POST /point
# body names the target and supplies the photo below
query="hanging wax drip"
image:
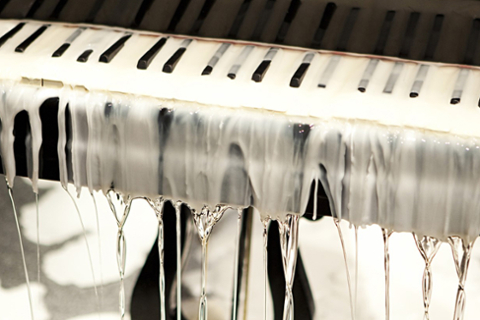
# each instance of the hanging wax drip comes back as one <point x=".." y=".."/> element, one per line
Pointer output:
<point x="236" y="265"/>
<point x="38" y="235"/>
<point x="288" y="230"/>
<point x="157" y="206"/>
<point x="356" y="272"/>
<point x="86" y="245"/>
<point x="99" y="244"/>
<point x="22" y="251"/>
<point x="428" y="247"/>
<point x="349" y="281"/>
<point x="265" y="223"/>
<point x="204" y="221"/>
<point x="120" y="207"/>
<point x="386" y="256"/>
<point x="461" y="250"/>
<point x="178" y="225"/>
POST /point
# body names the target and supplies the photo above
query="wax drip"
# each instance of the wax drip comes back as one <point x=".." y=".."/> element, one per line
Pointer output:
<point x="386" y="255"/>
<point x="236" y="266"/>
<point x="178" y="213"/>
<point x="461" y="250"/>
<point x="99" y="243"/>
<point x="428" y="247"/>
<point x="288" y="230"/>
<point x="38" y="235"/>
<point x="356" y="272"/>
<point x="124" y="204"/>
<point x="315" y="200"/>
<point x="265" y="223"/>
<point x="204" y="221"/>
<point x="22" y="251"/>
<point x="157" y="206"/>
<point x="86" y="244"/>
<point x="336" y="221"/>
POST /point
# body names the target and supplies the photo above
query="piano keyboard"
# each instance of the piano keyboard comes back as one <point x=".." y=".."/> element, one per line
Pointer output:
<point x="317" y="84"/>
<point x="251" y="103"/>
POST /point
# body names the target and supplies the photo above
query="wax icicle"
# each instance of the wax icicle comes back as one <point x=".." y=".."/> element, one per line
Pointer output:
<point x="120" y="207"/>
<point x="38" y="235"/>
<point x="27" y="280"/>
<point x="428" y="247"/>
<point x="236" y="266"/>
<point x="461" y="250"/>
<point x="265" y="223"/>
<point x="99" y="244"/>
<point x="288" y="230"/>
<point x="86" y="245"/>
<point x="178" y="222"/>
<point x="386" y="261"/>
<point x="158" y="206"/>
<point x="204" y="221"/>
<point x="349" y="281"/>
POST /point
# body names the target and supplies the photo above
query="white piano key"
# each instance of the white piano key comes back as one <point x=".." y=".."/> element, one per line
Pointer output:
<point x="419" y="79"/>
<point x="459" y="85"/>
<point x="392" y="79"/>
<point x="367" y="75"/>
<point x="329" y="70"/>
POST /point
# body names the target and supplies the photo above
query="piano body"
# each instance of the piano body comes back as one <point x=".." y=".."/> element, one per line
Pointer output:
<point x="363" y="110"/>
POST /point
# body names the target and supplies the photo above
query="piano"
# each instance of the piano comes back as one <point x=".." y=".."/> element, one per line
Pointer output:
<point x="363" y="110"/>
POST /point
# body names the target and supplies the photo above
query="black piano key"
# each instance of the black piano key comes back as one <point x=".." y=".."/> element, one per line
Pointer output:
<point x="94" y="11"/>
<point x="287" y="21"/>
<point x="207" y="71"/>
<point x="472" y="42"/>
<point x="261" y="71"/>
<point x="237" y="23"/>
<point x="24" y="45"/>
<point x="409" y="34"/>
<point x="61" y="50"/>
<point x="419" y="80"/>
<point x="324" y="22"/>
<point x="84" y="56"/>
<point x="144" y="7"/>
<point x="297" y="78"/>
<point x="384" y="32"/>
<point x="459" y="85"/>
<point x="11" y="33"/>
<point x="262" y="21"/>
<point x="33" y="9"/>
<point x="170" y="65"/>
<point x="177" y="16"/>
<point x="239" y="61"/>
<point x="329" y="71"/>
<point x="434" y="37"/>
<point x="111" y="52"/>
<point x="3" y="4"/>
<point x="148" y="57"/>
<point x="347" y="29"/>
<point x="58" y="9"/>
<point x="367" y="75"/>
<point x="207" y="6"/>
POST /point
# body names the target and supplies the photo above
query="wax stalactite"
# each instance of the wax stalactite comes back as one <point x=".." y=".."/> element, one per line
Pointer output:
<point x="236" y="265"/>
<point x="178" y="226"/>
<point x="428" y="247"/>
<point x="99" y="244"/>
<point x="288" y="230"/>
<point x="204" y="221"/>
<point x="336" y="221"/>
<point x="461" y="250"/>
<point x="87" y="246"/>
<point x="157" y="206"/>
<point x="265" y="223"/>
<point x="386" y="264"/>
<point x="37" y="209"/>
<point x="120" y="207"/>
<point x="22" y="251"/>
